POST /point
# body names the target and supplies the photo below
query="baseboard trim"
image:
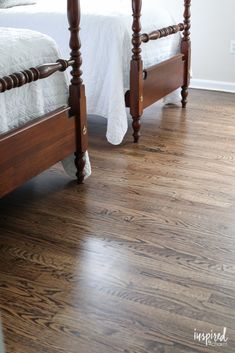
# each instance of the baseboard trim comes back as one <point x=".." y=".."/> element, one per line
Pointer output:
<point x="213" y="85"/>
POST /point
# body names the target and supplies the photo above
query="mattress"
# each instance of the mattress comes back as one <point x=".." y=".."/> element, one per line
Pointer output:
<point x="20" y="105"/>
<point x="106" y="48"/>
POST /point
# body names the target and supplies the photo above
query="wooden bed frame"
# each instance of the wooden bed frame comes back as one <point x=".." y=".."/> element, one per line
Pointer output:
<point x="33" y="148"/>
<point x="149" y="85"/>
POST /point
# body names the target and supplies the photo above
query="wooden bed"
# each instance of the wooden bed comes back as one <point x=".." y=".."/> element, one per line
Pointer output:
<point x="150" y="85"/>
<point x="33" y="148"/>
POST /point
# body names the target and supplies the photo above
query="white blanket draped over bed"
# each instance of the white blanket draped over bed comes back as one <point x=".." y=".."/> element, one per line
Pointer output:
<point x="22" y="49"/>
<point x="106" y="48"/>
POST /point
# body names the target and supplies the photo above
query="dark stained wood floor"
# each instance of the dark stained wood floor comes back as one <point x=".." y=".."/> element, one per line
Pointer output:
<point x="138" y="257"/>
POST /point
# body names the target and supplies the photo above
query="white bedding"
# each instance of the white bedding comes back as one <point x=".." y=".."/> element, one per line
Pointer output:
<point x="23" y="104"/>
<point x="37" y="98"/>
<point x="106" y="48"/>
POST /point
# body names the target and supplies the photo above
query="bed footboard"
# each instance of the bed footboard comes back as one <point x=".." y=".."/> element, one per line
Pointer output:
<point x="160" y="80"/>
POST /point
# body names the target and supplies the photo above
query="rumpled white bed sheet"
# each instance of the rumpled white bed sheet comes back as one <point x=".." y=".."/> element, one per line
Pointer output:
<point x="23" y="104"/>
<point x="106" y="48"/>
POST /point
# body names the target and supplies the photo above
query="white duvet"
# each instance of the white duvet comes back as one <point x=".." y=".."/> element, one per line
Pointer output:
<point x="106" y="48"/>
<point x="18" y="106"/>
<point x="37" y="98"/>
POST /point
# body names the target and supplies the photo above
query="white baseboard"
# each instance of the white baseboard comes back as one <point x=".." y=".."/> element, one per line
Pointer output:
<point x="213" y="85"/>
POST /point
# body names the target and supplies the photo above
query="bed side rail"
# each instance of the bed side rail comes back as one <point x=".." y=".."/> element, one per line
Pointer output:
<point x="22" y="78"/>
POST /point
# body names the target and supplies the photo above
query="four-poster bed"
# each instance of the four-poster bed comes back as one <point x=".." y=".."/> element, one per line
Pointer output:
<point x="34" y="147"/>
<point x="149" y="85"/>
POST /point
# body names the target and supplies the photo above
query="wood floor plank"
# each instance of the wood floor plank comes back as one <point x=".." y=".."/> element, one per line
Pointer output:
<point x="138" y="257"/>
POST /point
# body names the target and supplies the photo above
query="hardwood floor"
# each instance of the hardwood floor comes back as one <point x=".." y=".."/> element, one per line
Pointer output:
<point x="138" y="257"/>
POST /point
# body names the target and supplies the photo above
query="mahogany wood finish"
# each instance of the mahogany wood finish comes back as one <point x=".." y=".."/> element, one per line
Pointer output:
<point x="27" y="151"/>
<point x="22" y="78"/>
<point x="162" y="79"/>
<point x="77" y="98"/>
<point x="36" y="142"/>
<point x="146" y="89"/>
<point x="163" y="32"/>
<point x="136" y="73"/>
<point x="186" y="50"/>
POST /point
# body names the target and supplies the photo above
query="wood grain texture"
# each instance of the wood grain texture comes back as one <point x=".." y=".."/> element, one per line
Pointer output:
<point x="162" y="79"/>
<point x="141" y="254"/>
<point x="48" y="140"/>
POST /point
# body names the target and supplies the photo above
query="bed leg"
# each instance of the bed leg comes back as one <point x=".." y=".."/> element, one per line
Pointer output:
<point x="184" y="94"/>
<point x="80" y="165"/>
<point x="186" y="51"/>
<point x="136" y="71"/>
<point x="77" y="97"/>
<point x="136" y="128"/>
<point x="78" y="108"/>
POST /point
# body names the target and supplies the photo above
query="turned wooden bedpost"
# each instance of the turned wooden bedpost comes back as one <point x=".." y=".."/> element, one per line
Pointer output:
<point x="136" y="74"/>
<point x="77" y="98"/>
<point x="186" y="50"/>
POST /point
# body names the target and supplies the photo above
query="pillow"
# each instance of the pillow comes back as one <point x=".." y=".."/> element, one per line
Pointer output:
<point x="4" y="4"/>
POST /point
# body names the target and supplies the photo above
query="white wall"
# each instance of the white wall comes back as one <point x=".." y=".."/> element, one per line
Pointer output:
<point x="213" y="26"/>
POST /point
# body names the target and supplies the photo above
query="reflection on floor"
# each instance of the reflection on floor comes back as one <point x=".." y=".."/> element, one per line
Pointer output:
<point x="141" y="255"/>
